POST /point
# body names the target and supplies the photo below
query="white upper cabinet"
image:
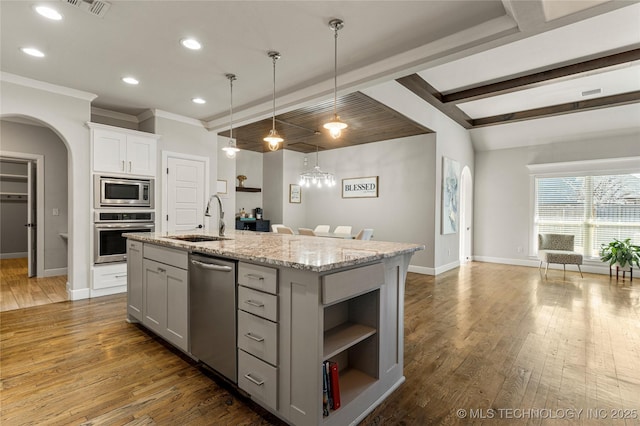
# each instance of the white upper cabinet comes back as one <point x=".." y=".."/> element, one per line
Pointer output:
<point x="123" y="151"/>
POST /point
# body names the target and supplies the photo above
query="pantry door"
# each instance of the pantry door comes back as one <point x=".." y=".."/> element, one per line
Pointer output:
<point x="186" y="192"/>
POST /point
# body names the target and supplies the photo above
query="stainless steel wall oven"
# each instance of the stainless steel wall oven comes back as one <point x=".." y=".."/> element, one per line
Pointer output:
<point x="109" y="244"/>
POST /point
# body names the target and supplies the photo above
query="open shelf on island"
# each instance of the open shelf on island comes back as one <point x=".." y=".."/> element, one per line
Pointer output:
<point x="9" y="176"/>
<point x="343" y="336"/>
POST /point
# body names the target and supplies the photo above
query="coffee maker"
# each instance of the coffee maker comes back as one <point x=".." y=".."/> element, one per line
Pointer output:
<point x="258" y="212"/>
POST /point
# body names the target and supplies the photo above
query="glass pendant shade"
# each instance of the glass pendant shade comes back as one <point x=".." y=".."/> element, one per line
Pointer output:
<point x="231" y="149"/>
<point x="335" y="127"/>
<point x="274" y="140"/>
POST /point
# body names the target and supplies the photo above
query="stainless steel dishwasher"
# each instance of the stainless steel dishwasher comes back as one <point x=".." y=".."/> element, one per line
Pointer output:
<point x="212" y="313"/>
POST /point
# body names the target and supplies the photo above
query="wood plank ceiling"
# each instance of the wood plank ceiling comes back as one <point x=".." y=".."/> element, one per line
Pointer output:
<point x="371" y="121"/>
<point x="301" y="129"/>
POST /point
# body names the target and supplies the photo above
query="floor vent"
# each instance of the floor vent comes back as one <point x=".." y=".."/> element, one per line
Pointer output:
<point x="94" y="7"/>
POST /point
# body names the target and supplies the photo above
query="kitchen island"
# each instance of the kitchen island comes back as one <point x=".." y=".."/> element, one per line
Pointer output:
<point x="302" y="302"/>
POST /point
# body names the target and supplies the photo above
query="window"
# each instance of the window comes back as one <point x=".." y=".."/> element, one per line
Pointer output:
<point x="596" y="209"/>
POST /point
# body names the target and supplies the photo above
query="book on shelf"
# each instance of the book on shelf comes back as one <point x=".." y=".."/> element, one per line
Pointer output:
<point x="334" y="385"/>
<point x="325" y="391"/>
<point x="330" y="387"/>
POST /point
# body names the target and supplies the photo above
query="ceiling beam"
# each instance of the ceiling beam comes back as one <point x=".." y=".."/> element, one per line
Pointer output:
<point x="540" y="78"/>
<point x="428" y="93"/>
<point x="571" y="107"/>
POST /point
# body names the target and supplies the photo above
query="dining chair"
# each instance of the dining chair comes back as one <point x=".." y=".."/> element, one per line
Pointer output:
<point x="274" y="227"/>
<point x="306" y="231"/>
<point x="284" y="230"/>
<point x="365" y="234"/>
<point x="321" y="228"/>
<point x="342" y="230"/>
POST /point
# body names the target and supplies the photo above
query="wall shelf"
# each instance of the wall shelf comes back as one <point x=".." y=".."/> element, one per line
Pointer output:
<point x="246" y="189"/>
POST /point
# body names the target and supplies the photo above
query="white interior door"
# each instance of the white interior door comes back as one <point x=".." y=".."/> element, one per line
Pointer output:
<point x="31" y="219"/>
<point x="185" y="194"/>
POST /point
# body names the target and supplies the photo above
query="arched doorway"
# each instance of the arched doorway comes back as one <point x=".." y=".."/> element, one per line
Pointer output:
<point x="466" y="214"/>
<point x="38" y="154"/>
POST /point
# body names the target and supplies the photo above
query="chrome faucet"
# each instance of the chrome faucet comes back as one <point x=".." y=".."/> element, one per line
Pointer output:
<point x="207" y="212"/>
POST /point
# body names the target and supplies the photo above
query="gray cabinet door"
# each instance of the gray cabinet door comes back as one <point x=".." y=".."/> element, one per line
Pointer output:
<point x="134" y="280"/>
<point x="177" y="307"/>
<point x="155" y="296"/>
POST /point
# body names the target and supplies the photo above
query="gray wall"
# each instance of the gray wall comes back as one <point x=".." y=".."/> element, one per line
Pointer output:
<point x="18" y="137"/>
<point x="248" y="163"/>
<point x="503" y="191"/>
<point x="273" y="182"/>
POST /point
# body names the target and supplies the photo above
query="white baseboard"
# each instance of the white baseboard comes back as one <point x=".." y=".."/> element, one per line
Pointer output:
<point x="13" y="255"/>
<point x="108" y="291"/>
<point x="591" y="268"/>
<point x="447" y="267"/>
<point x="78" y="294"/>
<point x="54" y="272"/>
<point x="421" y="270"/>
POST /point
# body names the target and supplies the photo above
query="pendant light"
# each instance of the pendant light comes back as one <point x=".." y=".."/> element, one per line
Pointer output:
<point x="336" y="125"/>
<point x="274" y="138"/>
<point x="231" y="149"/>
<point x="316" y="176"/>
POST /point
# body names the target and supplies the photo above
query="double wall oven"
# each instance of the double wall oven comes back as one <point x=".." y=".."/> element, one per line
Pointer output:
<point x="122" y="205"/>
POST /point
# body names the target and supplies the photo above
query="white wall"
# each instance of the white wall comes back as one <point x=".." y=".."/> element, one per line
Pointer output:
<point x="227" y="171"/>
<point x="452" y="141"/>
<point x="404" y="208"/>
<point x="187" y="137"/>
<point x="503" y="192"/>
<point x="65" y="111"/>
<point x="249" y="164"/>
<point x="273" y="182"/>
<point x="18" y="137"/>
<point x="293" y="214"/>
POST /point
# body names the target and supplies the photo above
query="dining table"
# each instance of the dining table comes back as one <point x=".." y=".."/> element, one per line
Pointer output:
<point x="335" y="235"/>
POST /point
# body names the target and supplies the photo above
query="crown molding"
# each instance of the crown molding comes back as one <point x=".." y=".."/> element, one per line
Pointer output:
<point x="47" y="87"/>
<point x="114" y="114"/>
<point x="171" y="116"/>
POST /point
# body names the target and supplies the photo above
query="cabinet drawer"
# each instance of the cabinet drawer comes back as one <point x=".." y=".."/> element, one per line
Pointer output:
<point x="258" y="336"/>
<point x="177" y="258"/>
<point x="258" y="303"/>
<point x="343" y="285"/>
<point x="258" y="277"/>
<point x="110" y="276"/>
<point x="258" y="379"/>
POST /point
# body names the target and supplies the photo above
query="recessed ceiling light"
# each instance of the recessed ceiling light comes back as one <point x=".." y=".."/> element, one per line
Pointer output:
<point x="130" y="80"/>
<point x="32" y="52"/>
<point x="48" y="12"/>
<point x="198" y="101"/>
<point x="191" y="43"/>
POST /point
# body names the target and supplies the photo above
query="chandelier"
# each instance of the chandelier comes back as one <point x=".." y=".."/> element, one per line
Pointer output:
<point x="335" y="126"/>
<point x="231" y="149"/>
<point x="316" y="176"/>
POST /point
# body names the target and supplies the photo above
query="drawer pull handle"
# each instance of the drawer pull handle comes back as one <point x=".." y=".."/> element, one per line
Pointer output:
<point x="254" y="303"/>
<point x="121" y="276"/>
<point x="161" y="270"/>
<point x="255" y="277"/>
<point x="251" y="379"/>
<point x="256" y="338"/>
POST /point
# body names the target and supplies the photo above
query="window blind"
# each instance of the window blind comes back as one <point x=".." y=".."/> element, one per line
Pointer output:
<point x="595" y="209"/>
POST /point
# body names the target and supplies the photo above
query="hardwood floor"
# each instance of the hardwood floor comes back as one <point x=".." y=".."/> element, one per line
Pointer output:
<point x="17" y="291"/>
<point x="480" y="338"/>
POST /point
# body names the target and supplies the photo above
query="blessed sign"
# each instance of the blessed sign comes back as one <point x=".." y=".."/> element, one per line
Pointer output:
<point x="365" y="187"/>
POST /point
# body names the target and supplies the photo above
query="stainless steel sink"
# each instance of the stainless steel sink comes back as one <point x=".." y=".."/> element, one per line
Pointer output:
<point x="196" y="238"/>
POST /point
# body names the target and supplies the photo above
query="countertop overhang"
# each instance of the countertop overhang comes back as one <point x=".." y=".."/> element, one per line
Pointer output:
<point x="316" y="254"/>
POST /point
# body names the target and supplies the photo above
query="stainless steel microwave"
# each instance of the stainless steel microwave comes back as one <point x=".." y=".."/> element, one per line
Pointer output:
<point x="121" y="192"/>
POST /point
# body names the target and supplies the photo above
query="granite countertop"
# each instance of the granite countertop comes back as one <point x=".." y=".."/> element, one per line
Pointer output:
<point x="303" y="252"/>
